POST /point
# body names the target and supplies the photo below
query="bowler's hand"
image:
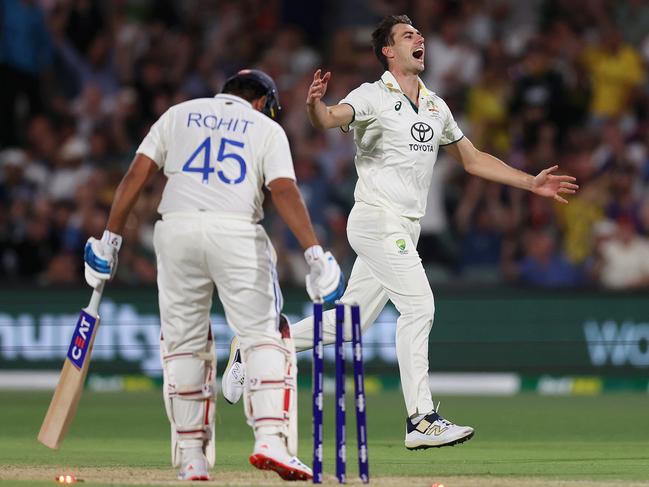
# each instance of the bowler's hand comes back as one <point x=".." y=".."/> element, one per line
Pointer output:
<point x="318" y="87"/>
<point x="551" y="186"/>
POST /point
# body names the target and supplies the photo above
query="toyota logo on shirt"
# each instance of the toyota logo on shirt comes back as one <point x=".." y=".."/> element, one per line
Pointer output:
<point x="421" y="132"/>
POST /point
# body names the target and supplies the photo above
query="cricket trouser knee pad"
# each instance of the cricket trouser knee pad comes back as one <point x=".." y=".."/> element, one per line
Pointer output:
<point x="270" y="391"/>
<point x="190" y="400"/>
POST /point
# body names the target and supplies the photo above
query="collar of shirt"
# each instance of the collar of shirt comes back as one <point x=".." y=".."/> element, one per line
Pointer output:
<point x="425" y="96"/>
<point x="393" y="85"/>
<point x="235" y="98"/>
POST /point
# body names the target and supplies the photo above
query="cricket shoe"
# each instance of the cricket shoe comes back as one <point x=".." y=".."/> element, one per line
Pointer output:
<point x="194" y="467"/>
<point x="433" y="431"/>
<point x="234" y="374"/>
<point x="270" y="454"/>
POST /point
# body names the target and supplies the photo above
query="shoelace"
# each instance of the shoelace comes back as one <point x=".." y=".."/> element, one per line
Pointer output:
<point x="445" y="422"/>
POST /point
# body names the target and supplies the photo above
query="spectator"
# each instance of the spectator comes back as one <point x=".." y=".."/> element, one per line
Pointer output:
<point x="97" y="68"/>
<point x="482" y="220"/>
<point x="538" y="96"/>
<point x="585" y="209"/>
<point x="15" y="184"/>
<point x="452" y="64"/>
<point x="616" y="70"/>
<point x="85" y="21"/>
<point x="42" y="140"/>
<point x="32" y="248"/>
<point x="487" y="111"/>
<point x="624" y="258"/>
<point x="623" y="202"/>
<point x="542" y="265"/>
<point x="70" y="172"/>
<point x="25" y="55"/>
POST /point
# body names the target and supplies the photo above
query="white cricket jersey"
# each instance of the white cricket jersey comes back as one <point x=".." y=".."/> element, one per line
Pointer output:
<point x="217" y="153"/>
<point x="397" y="145"/>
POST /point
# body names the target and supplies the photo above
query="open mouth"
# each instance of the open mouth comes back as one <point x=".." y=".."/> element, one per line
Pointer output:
<point x="418" y="53"/>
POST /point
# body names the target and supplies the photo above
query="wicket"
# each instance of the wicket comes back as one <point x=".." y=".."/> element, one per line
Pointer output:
<point x="359" y="389"/>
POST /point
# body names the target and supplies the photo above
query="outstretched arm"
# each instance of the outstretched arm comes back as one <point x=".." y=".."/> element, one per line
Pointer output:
<point x="489" y="167"/>
<point x="320" y="115"/>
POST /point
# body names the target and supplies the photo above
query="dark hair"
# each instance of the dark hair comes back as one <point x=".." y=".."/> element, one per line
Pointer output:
<point x="382" y="35"/>
<point x="247" y="89"/>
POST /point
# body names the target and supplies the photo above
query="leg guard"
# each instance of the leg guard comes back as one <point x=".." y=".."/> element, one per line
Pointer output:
<point x="270" y="396"/>
<point x="190" y="400"/>
<point x="290" y="394"/>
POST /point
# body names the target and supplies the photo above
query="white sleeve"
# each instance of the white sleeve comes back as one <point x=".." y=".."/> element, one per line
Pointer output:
<point x="277" y="160"/>
<point x="451" y="132"/>
<point x="363" y="101"/>
<point x="154" y="144"/>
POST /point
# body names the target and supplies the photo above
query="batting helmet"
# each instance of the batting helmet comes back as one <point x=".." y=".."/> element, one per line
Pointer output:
<point x="271" y="108"/>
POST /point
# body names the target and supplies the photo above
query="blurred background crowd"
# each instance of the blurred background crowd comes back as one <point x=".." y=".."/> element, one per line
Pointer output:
<point x="535" y="82"/>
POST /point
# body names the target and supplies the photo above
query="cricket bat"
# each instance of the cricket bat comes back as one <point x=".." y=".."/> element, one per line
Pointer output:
<point x="75" y="368"/>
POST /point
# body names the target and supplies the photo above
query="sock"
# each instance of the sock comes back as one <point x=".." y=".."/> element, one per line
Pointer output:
<point x="415" y="418"/>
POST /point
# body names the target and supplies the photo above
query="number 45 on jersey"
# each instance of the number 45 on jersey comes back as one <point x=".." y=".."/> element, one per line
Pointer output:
<point x="206" y="169"/>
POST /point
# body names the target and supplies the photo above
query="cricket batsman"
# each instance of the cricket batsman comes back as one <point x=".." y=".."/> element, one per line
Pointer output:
<point x="217" y="153"/>
<point x="399" y="126"/>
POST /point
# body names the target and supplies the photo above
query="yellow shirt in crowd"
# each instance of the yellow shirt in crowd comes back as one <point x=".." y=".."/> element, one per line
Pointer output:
<point x="613" y="75"/>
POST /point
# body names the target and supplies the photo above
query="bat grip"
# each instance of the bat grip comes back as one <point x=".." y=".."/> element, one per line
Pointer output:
<point x="93" y="305"/>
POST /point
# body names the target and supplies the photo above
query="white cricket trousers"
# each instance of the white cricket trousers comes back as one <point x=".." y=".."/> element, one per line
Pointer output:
<point x="387" y="267"/>
<point x="195" y="251"/>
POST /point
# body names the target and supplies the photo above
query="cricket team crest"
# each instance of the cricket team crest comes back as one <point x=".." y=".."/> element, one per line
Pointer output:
<point x="401" y="244"/>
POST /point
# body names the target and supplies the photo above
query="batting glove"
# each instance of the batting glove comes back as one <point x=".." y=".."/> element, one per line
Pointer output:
<point x="100" y="258"/>
<point x="325" y="279"/>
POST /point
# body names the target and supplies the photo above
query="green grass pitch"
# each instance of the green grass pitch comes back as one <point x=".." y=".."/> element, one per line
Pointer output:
<point x="598" y="438"/>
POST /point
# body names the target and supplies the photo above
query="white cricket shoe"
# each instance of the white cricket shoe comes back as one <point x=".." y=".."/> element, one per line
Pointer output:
<point x="193" y="465"/>
<point x="234" y="374"/>
<point x="270" y="454"/>
<point x="433" y="431"/>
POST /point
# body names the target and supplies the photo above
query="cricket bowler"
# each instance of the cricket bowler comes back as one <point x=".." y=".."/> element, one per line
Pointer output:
<point x="398" y="126"/>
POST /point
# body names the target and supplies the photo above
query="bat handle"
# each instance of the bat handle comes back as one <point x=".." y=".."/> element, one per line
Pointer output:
<point x="93" y="305"/>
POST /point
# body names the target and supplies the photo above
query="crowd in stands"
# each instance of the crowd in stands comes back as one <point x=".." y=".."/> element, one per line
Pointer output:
<point x="536" y="83"/>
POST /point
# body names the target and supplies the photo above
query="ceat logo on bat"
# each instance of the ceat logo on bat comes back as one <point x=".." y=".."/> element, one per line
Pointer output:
<point x="81" y="339"/>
